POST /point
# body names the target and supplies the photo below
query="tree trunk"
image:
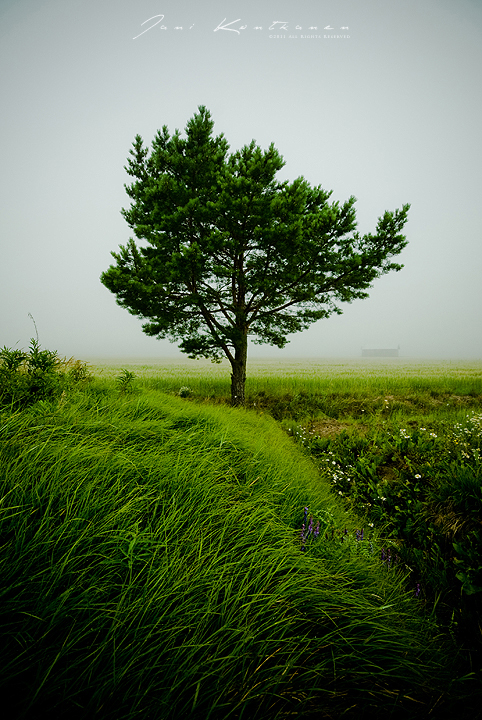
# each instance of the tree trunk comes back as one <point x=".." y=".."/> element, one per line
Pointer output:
<point x="238" y="375"/>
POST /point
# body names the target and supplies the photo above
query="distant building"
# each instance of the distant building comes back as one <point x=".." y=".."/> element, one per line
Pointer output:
<point x="382" y="352"/>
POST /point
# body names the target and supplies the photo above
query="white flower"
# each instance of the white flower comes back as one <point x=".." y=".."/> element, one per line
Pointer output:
<point x="418" y="476"/>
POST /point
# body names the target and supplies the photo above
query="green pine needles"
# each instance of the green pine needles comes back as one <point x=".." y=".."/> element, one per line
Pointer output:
<point x="230" y="252"/>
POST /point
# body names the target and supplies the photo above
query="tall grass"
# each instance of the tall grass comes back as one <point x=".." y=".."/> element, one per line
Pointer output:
<point x="152" y="567"/>
<point x="299" y="388"/>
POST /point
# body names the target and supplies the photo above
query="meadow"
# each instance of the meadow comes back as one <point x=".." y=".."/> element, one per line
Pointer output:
<point x="316" y="554"/>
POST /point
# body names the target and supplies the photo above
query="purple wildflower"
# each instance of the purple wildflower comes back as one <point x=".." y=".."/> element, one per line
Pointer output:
<point x="303" y="537"/>
<point x="417" y="590"/>
<point x="305" y="515"/>
<point x="310" y="526"/>
<point x="317" y="529"/>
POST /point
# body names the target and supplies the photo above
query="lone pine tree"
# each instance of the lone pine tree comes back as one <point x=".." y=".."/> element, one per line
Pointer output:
<point x="230" y="252"/>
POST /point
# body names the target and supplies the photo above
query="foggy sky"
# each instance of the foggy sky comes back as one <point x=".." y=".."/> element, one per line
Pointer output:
<point x="390" y="114"/>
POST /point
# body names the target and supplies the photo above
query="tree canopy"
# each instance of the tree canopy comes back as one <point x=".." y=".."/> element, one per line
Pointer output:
<point x="230" y="252"/>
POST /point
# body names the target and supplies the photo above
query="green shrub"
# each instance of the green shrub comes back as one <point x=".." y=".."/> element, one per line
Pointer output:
<point x="37" y="375"/>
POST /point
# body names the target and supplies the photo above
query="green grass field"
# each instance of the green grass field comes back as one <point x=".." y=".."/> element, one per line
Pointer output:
<point x="315" y="555"/>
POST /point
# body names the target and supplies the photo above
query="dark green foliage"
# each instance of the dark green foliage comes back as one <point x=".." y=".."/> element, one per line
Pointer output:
<point x="423" y="485"/>
<point x="231" y="252"/>
<point x="28" y="377"/>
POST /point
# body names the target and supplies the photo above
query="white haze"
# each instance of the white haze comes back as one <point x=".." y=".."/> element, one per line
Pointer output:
<point x="390" y="114"/>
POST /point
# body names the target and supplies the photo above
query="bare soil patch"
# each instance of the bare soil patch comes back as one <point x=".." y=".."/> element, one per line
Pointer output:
<point x="329" y="428"/>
